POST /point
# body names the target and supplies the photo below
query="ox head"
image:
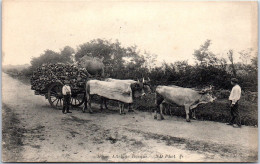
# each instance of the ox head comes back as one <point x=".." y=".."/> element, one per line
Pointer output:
<point x="140" y="88"/>
<point x="207" y="95"/>
<point x="146" y="85"/>
<point x="137" y="89"/>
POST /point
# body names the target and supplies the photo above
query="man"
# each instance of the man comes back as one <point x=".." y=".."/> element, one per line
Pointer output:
<point x="234" y="98"/>
<point x="66" y="92"/>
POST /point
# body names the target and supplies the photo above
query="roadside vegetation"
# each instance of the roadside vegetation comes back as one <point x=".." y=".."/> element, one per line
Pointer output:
<point x="209" y="69"/>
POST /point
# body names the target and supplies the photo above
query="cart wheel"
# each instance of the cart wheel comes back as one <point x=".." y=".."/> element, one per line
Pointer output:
<point x="55" y="95"/>
<point x="77" y="99"/>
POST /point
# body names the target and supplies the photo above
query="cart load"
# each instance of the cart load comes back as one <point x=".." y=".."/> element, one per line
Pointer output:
<point x="48" y="79"/>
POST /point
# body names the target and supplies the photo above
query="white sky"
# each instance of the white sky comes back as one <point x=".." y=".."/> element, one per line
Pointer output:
<point x="170" y="29"/>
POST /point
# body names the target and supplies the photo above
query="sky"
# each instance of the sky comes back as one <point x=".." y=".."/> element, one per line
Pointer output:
<point x="170" y="29"/>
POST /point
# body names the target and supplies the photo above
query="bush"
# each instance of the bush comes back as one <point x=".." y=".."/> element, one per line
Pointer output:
<point x="222" y="94"/>
<point x="12" y="72"/>
<point x="27" y="72"/>
<point x="218" y="111"/>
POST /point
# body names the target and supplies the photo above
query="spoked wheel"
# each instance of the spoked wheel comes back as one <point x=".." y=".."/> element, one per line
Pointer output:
<point x="77" y="99"/>
<point x="55" y="96"/>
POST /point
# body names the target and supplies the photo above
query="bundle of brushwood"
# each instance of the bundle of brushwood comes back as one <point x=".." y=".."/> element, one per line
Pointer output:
<point x="48" y="74"/>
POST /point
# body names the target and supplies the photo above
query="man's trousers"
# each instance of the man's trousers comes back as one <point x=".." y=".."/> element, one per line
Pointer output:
<point x="66" y="103"/>
<point x="235" y="117"/>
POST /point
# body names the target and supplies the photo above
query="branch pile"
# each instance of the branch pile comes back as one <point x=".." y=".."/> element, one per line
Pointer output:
<point x="47" y="74"/>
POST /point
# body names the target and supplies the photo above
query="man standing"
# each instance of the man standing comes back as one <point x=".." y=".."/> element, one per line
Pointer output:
<point x="234" y="98"/>
<point x="66" y="91"/>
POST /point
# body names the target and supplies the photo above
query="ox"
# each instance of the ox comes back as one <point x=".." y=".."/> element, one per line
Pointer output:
<point x="187" y="97"/>
<point x="123" y="91"/>
<point x="144" y="84"/>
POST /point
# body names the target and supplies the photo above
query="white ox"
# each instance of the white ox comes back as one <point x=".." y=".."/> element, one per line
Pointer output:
<point x="127" y="81"/>
<point x="123" y="91"/>
<point x="187" y="97"/>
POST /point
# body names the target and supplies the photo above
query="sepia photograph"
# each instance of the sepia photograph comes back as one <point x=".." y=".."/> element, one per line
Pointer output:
<point x="129" y="81"/>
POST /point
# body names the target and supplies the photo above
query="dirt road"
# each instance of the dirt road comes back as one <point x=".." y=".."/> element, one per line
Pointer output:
<point x="34" y="132"/>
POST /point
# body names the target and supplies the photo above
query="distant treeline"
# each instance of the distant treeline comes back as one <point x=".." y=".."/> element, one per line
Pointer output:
<point x="127" y="63"/>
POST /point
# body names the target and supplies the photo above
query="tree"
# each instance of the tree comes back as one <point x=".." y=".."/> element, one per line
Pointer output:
<point x="66" y="53"/>
<point x="210" y="69"/>
<point x="149" y="60"/>
<point x="222" y="63"/>
<point x="48" y="56"/>
<point x="95" y="48"/>
<point x="245" y="55"/>
<point x="52" y="57"/>
<point x="254" y="62"/>
<point x="203" y="55"/>
<point x="111" y="53"/>
<point x="181" y="66"/>
<point x="231" y="59"/>
<point x="118" y="60"/>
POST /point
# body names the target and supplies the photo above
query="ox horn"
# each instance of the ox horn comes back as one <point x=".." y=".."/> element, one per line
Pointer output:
<point x="202" y="91"/>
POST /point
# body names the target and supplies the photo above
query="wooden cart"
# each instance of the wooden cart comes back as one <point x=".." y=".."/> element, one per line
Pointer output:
<point x="48" y="80"/>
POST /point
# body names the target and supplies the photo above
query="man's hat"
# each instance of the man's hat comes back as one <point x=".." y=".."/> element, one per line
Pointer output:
<point x="234" y="80"/>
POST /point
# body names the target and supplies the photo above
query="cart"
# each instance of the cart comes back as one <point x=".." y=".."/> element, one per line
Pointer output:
<point x="48" y="80"/>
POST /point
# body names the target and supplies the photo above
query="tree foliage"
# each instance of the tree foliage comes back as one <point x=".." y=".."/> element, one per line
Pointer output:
<point x="245" y="55"/>
<point x="254" y="63"/>
<point x="50" y="56"/>
<point x="114" y="57"/>
<point x="127" y="63"/>
<point x="66" y="54"/>
<point x="203" y="55"/>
